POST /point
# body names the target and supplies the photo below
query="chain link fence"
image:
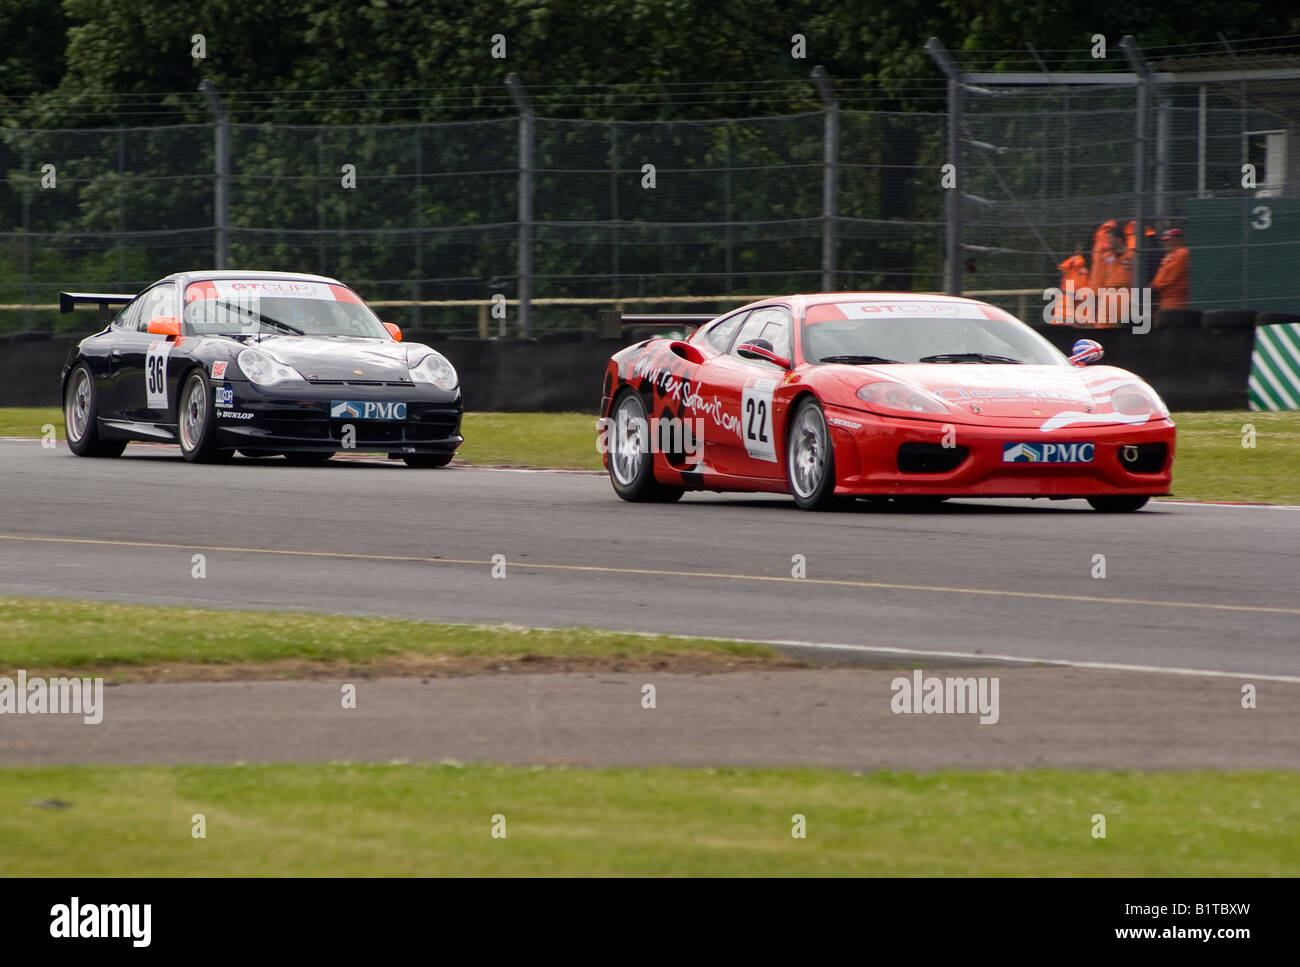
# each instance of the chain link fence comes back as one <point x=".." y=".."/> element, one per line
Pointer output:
<point x="431" y="221"/>
<point x="418" y="215"/>
<point x="1213" y="153"/>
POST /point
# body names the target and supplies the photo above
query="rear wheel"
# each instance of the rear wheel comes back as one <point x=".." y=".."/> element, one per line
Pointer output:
<point x="196" y="424"/>
<point x="1117" y="505"/>
<point x="810" y="460"/>
<point x="81" y="417"/>
<point x="427" y="461"/>
<point x="631" y="464"/>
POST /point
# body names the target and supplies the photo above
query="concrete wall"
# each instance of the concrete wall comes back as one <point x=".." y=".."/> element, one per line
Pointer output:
<point x="1192" y="368"/>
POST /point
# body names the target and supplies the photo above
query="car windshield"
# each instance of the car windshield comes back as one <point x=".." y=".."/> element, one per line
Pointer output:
<point x="916" y="332"/>
<point x="246" y="307"/>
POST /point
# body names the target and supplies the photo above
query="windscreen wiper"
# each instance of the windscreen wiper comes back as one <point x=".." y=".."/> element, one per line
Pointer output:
<point x="853" y="360"/>
<point x="265" y="319"/>
<point x="967" y="358"/>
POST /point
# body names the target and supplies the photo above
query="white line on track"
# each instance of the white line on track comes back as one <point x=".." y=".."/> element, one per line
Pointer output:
<point x="981" y="656"/>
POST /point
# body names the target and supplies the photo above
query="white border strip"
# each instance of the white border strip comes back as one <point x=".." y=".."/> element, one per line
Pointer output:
<point x="981" y="656"/>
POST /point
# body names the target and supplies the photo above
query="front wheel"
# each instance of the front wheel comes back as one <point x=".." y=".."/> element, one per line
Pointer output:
<point x="81" y="417"/>
<point x="629" y="456"/>
<point x="1117" y="505"/>
<point x="810" y="460"/>
<point x="196" y="424"/>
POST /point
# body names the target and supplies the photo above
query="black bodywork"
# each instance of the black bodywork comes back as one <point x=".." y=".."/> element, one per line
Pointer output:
<point x="251" y="418"/>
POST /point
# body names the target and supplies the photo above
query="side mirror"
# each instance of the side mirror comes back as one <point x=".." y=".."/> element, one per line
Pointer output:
<point x="165" y="326"/>
<point x="686" y="351"/>
<point x="1086" y="351"/>
<point x="394" y="330"/>
<point x="761" y="349"/>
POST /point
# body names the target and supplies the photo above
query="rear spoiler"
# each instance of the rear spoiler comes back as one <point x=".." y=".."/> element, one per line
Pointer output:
<point x="612" y="321"/>
<point x="70" y="300"/>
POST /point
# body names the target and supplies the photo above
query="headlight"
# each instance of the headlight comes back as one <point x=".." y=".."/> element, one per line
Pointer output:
<point x="261" y="369"/>
<point x="1135" y="399"/>
<point x="433" y="368"/>
<point x="900" y="398"/>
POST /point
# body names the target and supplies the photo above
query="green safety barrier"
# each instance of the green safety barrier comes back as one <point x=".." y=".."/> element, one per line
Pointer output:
<point x="1275" y="368"/>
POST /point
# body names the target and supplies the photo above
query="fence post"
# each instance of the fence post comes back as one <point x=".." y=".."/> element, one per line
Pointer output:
<point x="1144" y="78"/>
<point x="830" y="173"/>
<point x="417" y="311"/>
<point x="221" y="193"/>
<point x="952" y="201"/>
<point x="613" y="206"/>
<point x="525" y="200"/>
<point x="728" y="260"/>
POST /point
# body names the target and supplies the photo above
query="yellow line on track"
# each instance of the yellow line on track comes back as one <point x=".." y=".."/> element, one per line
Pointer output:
<point x="714" y="575"/>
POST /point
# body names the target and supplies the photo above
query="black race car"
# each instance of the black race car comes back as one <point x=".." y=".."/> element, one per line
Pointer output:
<point x="266" y="363"/>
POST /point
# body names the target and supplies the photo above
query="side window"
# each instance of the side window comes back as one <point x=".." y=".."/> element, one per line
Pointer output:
<point x="129" y="315"/>
<point x="771" y="324"/>
<point x="719" y="337"/>
<point x="158" y="301"/>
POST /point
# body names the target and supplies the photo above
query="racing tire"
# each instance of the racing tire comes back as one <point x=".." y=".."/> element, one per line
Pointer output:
<point x="810" y="459"/>
<point x="196" y="421"/>
<point x="628" y="457"/>
<point x="81" y="417"/>
<point x="308" y="459"/>
<point x="1117" y="505"/>
<point x="427" y="461"/>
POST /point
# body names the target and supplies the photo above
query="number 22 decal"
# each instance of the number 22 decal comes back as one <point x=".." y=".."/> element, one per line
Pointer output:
<point x="155" y="375"/>
<point x="756" y="416"/>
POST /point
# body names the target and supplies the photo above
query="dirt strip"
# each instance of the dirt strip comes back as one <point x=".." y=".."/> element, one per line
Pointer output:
<point x="838" y="717"/>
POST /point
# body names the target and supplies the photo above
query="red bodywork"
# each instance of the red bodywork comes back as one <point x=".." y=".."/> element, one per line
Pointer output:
<point x="989" y="406"/>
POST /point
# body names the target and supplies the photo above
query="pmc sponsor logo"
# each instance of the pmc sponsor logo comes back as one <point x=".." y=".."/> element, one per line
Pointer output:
<point x="366" y="410"/>
<point x="1048" y="452"/>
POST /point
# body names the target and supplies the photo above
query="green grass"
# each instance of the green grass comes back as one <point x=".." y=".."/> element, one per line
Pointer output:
<point x="56" y="634"/>
<point x="1211" y="463"/>
<point x="531" y="439"/>
<point x="437" y="819"/>
<point x="29" y="421"/>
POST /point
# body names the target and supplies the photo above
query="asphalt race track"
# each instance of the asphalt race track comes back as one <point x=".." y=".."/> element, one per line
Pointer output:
<point x="1197" y="587"/>
<point x="1196" y="600"/>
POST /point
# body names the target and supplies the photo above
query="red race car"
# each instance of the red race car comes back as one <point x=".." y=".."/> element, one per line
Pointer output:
<point x="839" y="395"/>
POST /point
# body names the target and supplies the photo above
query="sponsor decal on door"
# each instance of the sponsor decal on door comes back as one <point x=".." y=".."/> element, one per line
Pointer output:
<point x="155" y="374"/>
<point x="756" y="419"/>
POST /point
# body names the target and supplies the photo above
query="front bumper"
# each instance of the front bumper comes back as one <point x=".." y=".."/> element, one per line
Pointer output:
<point x="251" y="418"/>
<point x="867" y="459"/>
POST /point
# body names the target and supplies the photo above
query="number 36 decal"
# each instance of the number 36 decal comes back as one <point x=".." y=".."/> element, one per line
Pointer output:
<point x="756" y="419"/>
<point x="155" y="374"/>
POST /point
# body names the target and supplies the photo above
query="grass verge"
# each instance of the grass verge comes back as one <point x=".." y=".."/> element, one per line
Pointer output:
<point x="1211" y="463"/>
<point x="437" y="819"/>
<point x="132" y="642"/>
